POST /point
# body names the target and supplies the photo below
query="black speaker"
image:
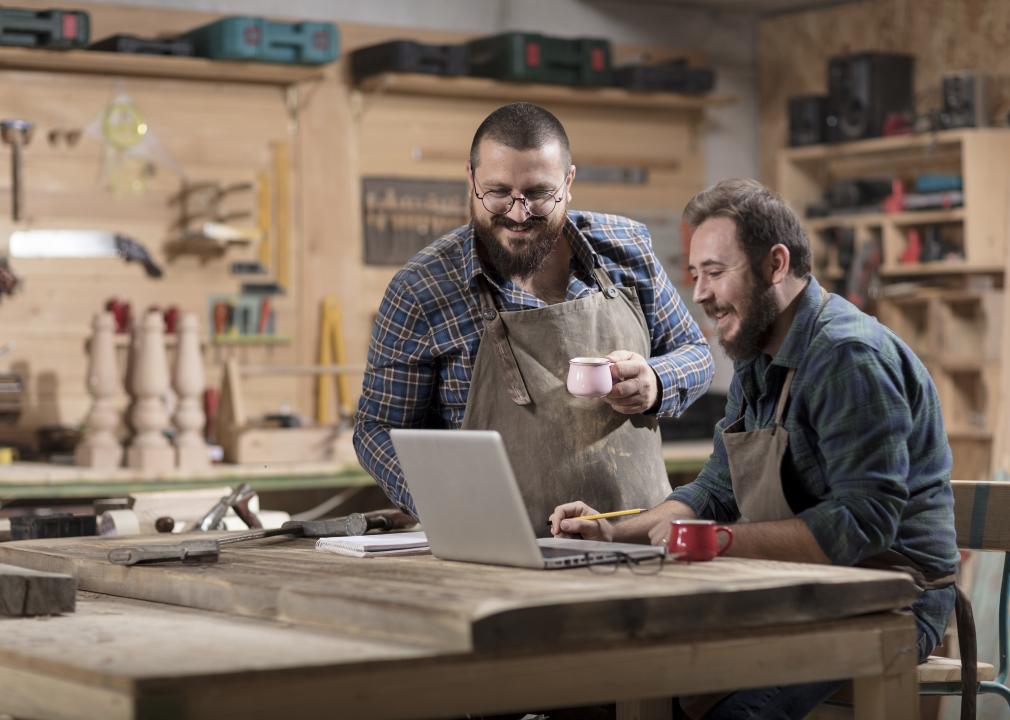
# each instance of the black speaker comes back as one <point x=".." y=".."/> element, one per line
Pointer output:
<point x="808" y="115"/>
<point x="864" y="88"/>
<point x="964" y="100"/>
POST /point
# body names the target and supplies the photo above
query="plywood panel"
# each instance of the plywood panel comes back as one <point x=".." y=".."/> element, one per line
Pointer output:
<point x="942" y="35"/>
<point x="223" y="131"/>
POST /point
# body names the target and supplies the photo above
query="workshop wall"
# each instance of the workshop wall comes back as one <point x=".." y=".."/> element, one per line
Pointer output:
<point x="223" y="132"/>
<point x="943" y="36"/>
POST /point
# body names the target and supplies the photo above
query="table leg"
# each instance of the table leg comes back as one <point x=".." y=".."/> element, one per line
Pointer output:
<point x="651" y="709"/>
<point x="894" y="694"/>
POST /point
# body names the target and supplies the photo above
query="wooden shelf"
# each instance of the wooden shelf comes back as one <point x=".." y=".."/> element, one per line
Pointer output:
<point x="846" y="219"/>
<point x="250" y="340"/>
<point x="483" y="88"/>
<point x="151" y="66"/>
<point x="884" y="145"/>
<point x="962" y="365"/>
<point x="927" y="217"/>
<point x="941" y="267"/>
<point x="900" y="219"/>
<point x="968" y="434"/>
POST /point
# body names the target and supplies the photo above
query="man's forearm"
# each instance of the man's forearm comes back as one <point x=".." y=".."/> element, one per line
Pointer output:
<point x="789" y="540"/>
<point x="636" y="529"/>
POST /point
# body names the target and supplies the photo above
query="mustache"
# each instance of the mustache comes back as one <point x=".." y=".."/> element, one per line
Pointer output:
<point x="712" y="308"/>
<point x="509" y="224"/>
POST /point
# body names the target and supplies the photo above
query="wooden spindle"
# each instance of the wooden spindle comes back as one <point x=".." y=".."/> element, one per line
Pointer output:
<point x="190" y="447"/>
<point x="100" y="447"/>
<point x="150" y="451"/>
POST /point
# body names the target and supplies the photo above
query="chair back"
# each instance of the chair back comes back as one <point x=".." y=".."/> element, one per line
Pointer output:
<point x="981" y="510"/>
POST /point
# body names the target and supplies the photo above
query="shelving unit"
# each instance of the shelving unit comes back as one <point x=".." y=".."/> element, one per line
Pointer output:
<point x="472" y="87"/>
<point x="975" y="154"/>
<point x="949" y="310"/>
<point x="154" y="66"/>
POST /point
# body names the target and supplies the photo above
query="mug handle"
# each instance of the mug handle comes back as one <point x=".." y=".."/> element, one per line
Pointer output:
<point x="729" y="538"/>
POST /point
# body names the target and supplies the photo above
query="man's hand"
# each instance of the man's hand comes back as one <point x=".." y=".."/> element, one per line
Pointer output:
<point x="636" y="388"/>
<point x="565" y="523"/>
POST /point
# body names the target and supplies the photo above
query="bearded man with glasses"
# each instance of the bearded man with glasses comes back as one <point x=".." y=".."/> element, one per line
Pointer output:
<point x="476" y="332"/>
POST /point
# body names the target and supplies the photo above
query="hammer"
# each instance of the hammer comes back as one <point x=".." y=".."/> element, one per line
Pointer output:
<point x="16" y="133"/>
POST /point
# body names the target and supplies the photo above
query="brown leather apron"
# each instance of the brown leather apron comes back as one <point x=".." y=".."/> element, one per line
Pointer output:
<point x="564" y="448"/>
<point x="755" y="462"/>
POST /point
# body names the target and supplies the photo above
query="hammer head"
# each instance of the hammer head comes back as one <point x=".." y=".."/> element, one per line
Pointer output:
<point x="16" y="132"/>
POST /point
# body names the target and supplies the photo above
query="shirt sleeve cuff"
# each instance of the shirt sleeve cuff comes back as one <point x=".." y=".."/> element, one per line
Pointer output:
<point x="671" y="396"/>
<point x="694" y="497"/>
<point x="828" y="530"/>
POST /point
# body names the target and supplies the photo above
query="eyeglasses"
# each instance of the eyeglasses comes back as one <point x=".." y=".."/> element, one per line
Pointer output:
<point x="606" y="563"/>
<point x="536" y="203"/>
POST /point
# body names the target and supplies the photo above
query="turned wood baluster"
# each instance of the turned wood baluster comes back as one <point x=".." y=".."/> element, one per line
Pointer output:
<point x="191" y="449"/>
<point x="100" y="448"/>
<point x="150" y="450"/>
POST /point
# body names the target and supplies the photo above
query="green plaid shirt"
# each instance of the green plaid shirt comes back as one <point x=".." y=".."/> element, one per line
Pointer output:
<point x="868" y="464"/>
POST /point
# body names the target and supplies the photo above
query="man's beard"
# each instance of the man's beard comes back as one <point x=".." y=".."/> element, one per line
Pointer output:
<point x="753" y="328"/>
<point x="521" y="257"/>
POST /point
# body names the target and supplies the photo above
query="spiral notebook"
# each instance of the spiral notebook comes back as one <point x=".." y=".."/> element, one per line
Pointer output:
<point x="382" y="545"/>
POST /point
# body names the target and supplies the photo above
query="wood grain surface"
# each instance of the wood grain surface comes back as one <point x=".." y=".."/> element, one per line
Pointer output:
<point x="463" y="606"/>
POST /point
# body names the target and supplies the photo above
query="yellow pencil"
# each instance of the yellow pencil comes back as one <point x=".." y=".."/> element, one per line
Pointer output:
<point x="603" y="516"/>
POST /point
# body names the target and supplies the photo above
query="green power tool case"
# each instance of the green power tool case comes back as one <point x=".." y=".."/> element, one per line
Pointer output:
<point x="530" y="57"/>
<point x="258" y="39"/>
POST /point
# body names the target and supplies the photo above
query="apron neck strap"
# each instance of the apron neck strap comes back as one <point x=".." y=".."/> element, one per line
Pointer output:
<point x="602" y="278"/>
<point x="487" y="303"/>
<point x="788" y="382"/>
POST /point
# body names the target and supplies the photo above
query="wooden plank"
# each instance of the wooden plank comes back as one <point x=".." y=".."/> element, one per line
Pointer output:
<point x="148" y="66"/>
<point x="473" y="87"/>
<point x="980" y="512"/>
<point x="470" y="606"/>
<point x="31" y="592"/>
<point x="893" y="694"/>
<point x="184" y="662"/>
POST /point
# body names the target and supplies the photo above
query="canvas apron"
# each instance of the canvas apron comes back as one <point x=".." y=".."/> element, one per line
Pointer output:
<point x="755" y="462"/>
<point x="564" y="448"/>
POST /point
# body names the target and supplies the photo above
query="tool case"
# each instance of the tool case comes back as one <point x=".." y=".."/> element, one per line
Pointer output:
<point x="144" y="46"/>
<point x="530" y="57"/>
<point x="58" y="29"/>
<point x="669" y="76"/>
<point x="258" y="39"/>
<point x="408" y="56"/>
<point x="34" y="527"/>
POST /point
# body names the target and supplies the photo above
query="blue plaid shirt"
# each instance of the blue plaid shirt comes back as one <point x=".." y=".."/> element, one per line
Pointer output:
<point x="868" y="464"/>
<point x="426" y="335"/>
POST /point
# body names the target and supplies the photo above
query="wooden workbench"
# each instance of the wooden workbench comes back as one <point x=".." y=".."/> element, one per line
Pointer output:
<point x="44" y="480"/>
<point x="281" y="629"/>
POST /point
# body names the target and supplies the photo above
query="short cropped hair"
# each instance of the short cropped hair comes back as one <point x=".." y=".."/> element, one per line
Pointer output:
<point x="762" y="220"/>
<point x="521" y="126"/>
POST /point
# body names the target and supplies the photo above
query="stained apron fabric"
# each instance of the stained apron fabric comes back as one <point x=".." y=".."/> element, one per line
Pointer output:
<point x="561" y="447"/>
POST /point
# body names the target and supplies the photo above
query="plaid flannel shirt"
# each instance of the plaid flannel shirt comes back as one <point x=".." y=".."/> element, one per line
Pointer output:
<point x="868" y="464"/>
<point x="428" y="329"/>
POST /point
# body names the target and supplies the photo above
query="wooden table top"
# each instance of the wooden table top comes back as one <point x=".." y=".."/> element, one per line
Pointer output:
<point x="465" y="607"/>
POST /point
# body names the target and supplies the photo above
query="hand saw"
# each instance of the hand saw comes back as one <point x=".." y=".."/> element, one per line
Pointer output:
<point x="44" y="243"/>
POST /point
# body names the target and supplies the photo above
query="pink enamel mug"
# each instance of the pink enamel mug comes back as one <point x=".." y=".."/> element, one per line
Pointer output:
<point x="589" y="377"/>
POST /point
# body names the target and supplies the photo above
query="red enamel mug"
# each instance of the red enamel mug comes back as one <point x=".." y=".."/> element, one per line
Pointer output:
<point x="696" y="540"/>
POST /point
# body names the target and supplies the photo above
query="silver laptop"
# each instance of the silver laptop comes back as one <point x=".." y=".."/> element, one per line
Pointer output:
<point x="471" y="508"/>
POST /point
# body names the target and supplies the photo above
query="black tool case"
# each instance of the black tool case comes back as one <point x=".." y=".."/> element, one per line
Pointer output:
<point x="669" y="76"/>
<point x="58" y="29"/>
<point x="408" y="56"/>
<point x="661" y="76"/>
<point x="530" y="57"/>
<point x="144" y="46"/>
